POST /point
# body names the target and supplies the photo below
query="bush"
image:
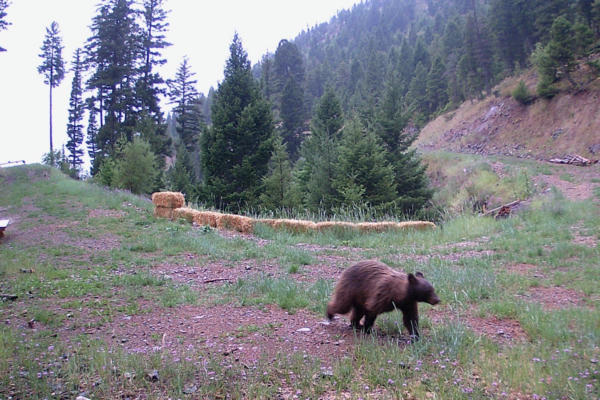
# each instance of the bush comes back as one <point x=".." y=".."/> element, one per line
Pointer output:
<point x="135" y="169"/>
<point x="521" y="94"/>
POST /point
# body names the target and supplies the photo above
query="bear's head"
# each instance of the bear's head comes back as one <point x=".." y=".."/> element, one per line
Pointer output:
<point x="421" y="290"/>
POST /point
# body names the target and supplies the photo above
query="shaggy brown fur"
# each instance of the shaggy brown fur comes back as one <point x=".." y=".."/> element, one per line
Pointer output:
<point x="370" y="288"/>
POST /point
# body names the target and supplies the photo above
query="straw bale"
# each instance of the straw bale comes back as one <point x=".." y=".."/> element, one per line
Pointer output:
<point x="168" y="199"/>
<point x="268" y="221"/>
<point x="163" y="212"/>
<point x="376" y="226"/>
<point x="340" y="225"/>
<point x="236" y="222"/>
<point x="297" y="225"/>
<point x="418" y="225"/>
<point x="210" y="218"/>
<point x="185" y="213"/>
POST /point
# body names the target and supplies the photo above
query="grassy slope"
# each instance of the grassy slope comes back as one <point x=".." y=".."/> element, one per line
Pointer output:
<point x="101" y="269"/>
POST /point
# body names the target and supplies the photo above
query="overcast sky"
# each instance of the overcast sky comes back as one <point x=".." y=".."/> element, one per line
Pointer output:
<point x="200" y="29"/>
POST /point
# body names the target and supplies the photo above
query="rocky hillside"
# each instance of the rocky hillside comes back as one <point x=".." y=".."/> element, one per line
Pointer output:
<point x="567" y="124"/>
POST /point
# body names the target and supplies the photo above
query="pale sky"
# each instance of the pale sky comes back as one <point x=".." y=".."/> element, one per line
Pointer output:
<point x="200" y="29"/>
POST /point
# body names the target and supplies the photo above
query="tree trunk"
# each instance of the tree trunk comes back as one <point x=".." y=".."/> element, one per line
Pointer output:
<point x="51" y="145"/>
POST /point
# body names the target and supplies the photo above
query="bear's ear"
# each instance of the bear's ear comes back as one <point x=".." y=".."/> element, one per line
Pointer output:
<point x="420" y="275"/>
<point x="412" y="278"/>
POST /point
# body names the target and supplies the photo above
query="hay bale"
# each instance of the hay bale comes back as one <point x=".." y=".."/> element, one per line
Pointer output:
<point x="209" y="218"/>
<point x="185" y="213"/>
<point x="268" y="221"/>
<point x="163" y="212"/>
<point x="168" y="199"/>
<point x="335" y="225"/>
<point x="376" y="226"/>
<point x="417" y="225"/>
<point x="297" y="225"/>
<point x="236" y="222"/>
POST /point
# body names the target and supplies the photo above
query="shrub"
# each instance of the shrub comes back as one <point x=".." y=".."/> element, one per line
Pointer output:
<point x="521" y="94"/>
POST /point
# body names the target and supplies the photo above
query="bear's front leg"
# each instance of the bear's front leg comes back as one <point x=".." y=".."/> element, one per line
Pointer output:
<point x="410" y="316"/>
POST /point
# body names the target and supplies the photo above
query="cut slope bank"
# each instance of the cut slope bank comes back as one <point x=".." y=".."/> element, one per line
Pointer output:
<point x="567" y="124"/>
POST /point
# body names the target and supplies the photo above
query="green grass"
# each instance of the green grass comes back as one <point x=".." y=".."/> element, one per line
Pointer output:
<point x="69" y="269"/>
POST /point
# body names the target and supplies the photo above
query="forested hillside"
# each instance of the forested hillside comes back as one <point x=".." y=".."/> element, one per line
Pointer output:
<point x="325" y="123"/>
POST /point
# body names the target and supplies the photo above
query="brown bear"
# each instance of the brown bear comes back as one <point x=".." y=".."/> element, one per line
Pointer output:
<point x="370" y="288"/>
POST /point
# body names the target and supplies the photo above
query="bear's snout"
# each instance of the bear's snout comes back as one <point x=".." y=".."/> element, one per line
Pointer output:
<point x="434" y="300"/>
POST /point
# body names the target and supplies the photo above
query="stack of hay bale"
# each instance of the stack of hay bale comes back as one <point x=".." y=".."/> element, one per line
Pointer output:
<point x="165" y="203"/>
<point x="170" y="205"/>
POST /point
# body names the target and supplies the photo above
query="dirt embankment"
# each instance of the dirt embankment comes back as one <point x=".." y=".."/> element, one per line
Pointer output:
<point x="567" y="124"/>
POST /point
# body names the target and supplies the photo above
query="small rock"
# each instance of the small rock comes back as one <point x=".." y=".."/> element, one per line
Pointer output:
<point x="81" y="398"/>
<point x="190" y="389"/>
<point x="303" y="330"/>
<point x="30" y="323"/>
<point x="500" y="332"/>
<point x="153" y="376"/>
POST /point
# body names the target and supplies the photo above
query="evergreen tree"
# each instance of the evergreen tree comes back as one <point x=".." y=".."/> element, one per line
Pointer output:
<point x="135" y="167"/>
<point x="92" y="136"/>
<point x="277" y="183"/>
<point x="363" y="174"/>
<point x="52" y="67"/>
<point x="316" y="173"/>
<point x="561" y="49"/>
<point x="437" y="86"/>
<point x="183" y="93"/>
<point x="150" y="85"/>
<point x="113" y="54"/>
<point x="412" y="182"/>
<point x="3" y="22"/>
<point x="288" y="71"/>
<point x="76" y="111"/>
<point x="237" y="148"/>
<point x="292" y="115"/>
<point x="180" y="177"/>
<point x="418" y="92"/>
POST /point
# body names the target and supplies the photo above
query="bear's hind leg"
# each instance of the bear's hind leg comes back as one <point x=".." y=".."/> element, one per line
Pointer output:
<point x="356" y="316"/>
<point x="369" y="321"/>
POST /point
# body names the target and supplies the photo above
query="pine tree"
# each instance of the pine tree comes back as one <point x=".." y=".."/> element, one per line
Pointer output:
<point x="437" y="86"/>
<point x="561" y="49"/>
<point x="150" y="84"/>
<point x="237" y="148"/>
<point x="277" y="183"/>
<point x="316" y="173"/>
<point x="76" y="112"/>
<point x="183" y="93"/>
<point x="52" y="67"/>
<point x="135" y="167"/>
<point x="113" y="54"/>
<point x="92" y="137"/>
<point x="292" y="115"/>
<point x="288" y="77"/>
<point x="3" y="22"/>
<point x="180" y="177"/>
<point x="363" y="174"/>
<point x="418" y="92"/>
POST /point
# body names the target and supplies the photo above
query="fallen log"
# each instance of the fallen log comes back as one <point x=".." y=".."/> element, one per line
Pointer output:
<point x="573" y="159"/>
<point x="504" y="208"/>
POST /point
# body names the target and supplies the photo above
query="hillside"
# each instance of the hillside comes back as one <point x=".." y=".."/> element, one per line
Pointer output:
<point x="567" y="124"/>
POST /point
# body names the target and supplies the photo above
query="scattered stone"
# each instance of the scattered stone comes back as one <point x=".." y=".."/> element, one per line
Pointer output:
<point x="80" y="397"/>
<point x="190" y="389"/>
<point x="152" y="376"/>
<point x="303" y="330"/>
